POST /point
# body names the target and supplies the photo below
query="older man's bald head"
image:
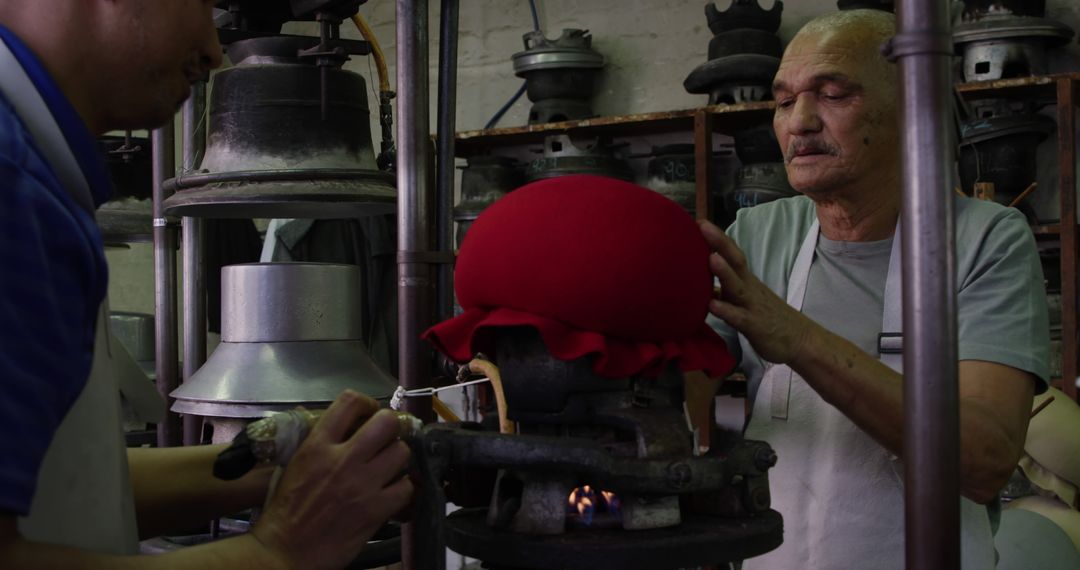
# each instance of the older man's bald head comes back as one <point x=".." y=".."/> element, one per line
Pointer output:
<point x="859" y="33"/>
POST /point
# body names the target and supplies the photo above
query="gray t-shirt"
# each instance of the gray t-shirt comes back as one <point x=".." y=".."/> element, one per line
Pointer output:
<point x="845" y="291"/>
<point x="1001" y="298"/>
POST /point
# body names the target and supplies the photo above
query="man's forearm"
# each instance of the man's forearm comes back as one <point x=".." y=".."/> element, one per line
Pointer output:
<point x="175" y="488"/>
<point x="871" y="394"/>
<point x="238" y="553"/>
<point x="867" y="391"/>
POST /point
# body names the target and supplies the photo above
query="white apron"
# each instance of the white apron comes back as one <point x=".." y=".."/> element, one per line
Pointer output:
<point x="840" y="492"/>
<point x="83" y="496"/>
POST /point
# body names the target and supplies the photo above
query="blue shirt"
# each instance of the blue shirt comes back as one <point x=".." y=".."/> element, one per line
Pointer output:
<point x="53" y="278"/>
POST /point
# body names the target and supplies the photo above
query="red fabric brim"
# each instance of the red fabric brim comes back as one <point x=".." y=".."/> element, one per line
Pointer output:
<point x="463" y="336"/>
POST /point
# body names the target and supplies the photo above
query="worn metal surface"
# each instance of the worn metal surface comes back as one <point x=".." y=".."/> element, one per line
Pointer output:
<point x="542" y="505"/>
<point x="484" y="180"/>
<point x="165" y="319"/>
<point x="642" y="512"/>
<point x="290" y="336"/>
<point x="589" y="461"/>
<point x="740" y="524"/>
<point x="449" y="14"/>
<point x="284" y="302"/>
<point x="1003" y="45"/>
<point x="1068" y="100"/>
<point x="1002" y="150"/>
<point x="194" y="272"/>
<point x="931" y="402"/>
<point x="563" y="155"/>
<point x="703" y="147"/>
<point x="560" y="75"/>
<point x="733" y="79"/>
<point x="269" y="151"/>
<point x="284" y="193"/>
<point x="698" y="540"/>
<point x="671" y="172"/>
<point x="249" y="379"/>
<point x="414" y="211"/>
<point x="125" y="221"/>
<point x="572" y="49"/>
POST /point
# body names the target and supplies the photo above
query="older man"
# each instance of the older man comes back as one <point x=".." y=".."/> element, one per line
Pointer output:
<point x="69" y="71"/>
<point x="824" y="374"/>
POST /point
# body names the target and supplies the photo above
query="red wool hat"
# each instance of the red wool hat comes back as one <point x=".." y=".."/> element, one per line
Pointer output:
<point x="599" y="267"/>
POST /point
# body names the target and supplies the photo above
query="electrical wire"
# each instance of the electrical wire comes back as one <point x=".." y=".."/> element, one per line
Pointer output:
<point x="521" y="90"/>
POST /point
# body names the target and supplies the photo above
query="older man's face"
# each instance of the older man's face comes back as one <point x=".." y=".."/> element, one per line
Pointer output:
<point x="160" y="48"/>
<point x="835" y="116"/>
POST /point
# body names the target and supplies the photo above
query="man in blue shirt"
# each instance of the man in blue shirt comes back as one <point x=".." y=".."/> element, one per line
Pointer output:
<point x="70" y="71"/>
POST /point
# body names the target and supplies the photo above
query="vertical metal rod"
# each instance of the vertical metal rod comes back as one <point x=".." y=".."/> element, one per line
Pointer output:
<point x="931" y="403"/>
<point x="414" y="273"/>
<point x="703" y="171"/>
<point x="1067" y="101"/>
<point x="447" y="125"/>
<point x="194" y="268"/>
<point x="165" y="345"/>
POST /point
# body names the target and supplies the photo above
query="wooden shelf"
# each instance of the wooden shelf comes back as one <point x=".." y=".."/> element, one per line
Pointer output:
<point x="729" y="118"/>
<point x="726" y="118"/>
<point x="1021" y="88"/>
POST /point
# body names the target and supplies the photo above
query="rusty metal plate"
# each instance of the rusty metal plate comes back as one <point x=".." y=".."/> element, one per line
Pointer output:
<point x="698" y="540"/>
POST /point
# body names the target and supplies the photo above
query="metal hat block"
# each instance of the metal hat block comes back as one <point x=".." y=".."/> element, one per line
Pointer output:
<point x="290" y="337"/>
<point x="270" y="153"/>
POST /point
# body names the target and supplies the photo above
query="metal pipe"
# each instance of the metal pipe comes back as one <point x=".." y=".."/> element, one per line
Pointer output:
<point x="931" y="403"/>
<point x="194" y="267"/>
<point x="165" y="341"/>
<point x="447" y="123"/>
<point x="1066" y="110"/>
<point x="414" y="275"/>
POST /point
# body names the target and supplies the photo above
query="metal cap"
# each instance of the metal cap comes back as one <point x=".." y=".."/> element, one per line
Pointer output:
<point x="290" y="302"/>
<point x="269" y="151"/>
<point x="570" y="50"/>
<point x="1001" y="27"/>
<point x="290" y="337"/>
<point x="252" y="379"/>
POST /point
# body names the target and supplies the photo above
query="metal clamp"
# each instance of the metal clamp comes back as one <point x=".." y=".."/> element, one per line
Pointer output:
<point x="918" y="43"/>
<point x="427" y="257"/>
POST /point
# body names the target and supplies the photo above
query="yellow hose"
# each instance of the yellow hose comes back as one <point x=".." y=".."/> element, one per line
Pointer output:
<point x="481" y="366"/>
<point x="376" y="52"/>
<point x="443" y="410"/>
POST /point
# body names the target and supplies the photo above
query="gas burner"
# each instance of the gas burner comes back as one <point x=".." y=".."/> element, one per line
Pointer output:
<point x="270" y="154"/>
<point x="560" y="75"/>
<point x="563" y="156"/>
<point x="744" y="54"/>
<point x="582" y="439"/>
<point x="1002" y="45"/>
<point x="484" y="180"/>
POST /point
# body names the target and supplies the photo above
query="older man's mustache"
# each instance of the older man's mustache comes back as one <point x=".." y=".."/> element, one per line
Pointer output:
<point x="809" y="146"/>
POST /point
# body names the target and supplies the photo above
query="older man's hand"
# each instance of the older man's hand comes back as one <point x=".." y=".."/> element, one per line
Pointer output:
<point x="775" y="329"/>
